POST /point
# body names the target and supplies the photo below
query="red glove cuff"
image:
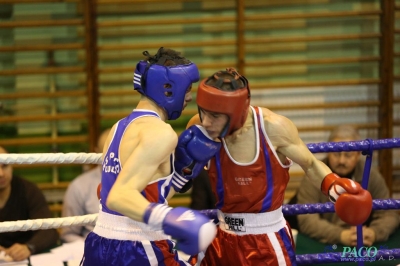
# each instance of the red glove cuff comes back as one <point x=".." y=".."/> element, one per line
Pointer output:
<point x="327" y="182"/>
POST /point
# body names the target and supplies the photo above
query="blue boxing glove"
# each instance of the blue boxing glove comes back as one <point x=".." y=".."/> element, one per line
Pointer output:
<point x="192" y="230"/>
<point x="195" y="148"/>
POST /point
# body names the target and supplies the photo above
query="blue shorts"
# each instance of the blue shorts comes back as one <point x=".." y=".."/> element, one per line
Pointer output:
<point x="118" y="240"/>
<point x="103" y="251"/>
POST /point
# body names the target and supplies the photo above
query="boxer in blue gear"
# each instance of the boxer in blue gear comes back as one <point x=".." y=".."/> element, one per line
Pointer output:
<point x="135" y="225"/>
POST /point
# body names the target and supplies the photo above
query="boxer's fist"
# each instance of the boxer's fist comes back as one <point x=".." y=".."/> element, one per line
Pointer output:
<point x="195" y="148"/>
<point x="353" y="204"/>
<point x="192" y="230"/>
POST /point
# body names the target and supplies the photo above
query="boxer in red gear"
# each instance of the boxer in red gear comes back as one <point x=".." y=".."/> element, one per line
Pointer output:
<point x="250" y="173"/>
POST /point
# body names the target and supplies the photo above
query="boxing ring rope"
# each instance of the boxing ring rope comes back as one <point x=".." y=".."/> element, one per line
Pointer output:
<point x="293" y="209"/>
<point x="365" y="146"/>
<point x="51" y="158"/>
<point x="95" y="158"/>
<point x="47" y="223"/>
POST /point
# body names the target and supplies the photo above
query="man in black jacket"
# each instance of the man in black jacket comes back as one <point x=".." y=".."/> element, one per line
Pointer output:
<point x="22" y="200"/>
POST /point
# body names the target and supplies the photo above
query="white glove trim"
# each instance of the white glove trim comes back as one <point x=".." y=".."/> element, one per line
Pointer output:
<point x="157" y="216"/>
<point x="178" y="180"/>
<point x="204" y="131"/>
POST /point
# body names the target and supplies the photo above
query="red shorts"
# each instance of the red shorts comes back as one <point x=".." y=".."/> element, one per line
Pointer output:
<point x="263" y="249"/>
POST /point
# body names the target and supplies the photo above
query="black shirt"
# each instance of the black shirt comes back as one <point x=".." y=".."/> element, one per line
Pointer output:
<point x="27" y="202"/>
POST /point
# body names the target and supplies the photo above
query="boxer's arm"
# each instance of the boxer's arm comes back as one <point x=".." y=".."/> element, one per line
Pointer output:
<point x="156" y="145"/>
<point x="353" y="204"/>
<point x="285" y="137"/>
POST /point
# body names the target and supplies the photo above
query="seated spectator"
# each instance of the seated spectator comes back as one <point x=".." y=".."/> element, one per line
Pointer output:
<point x="81" y="198"/>
<point x="328" y="227"/>
<point x="23" y="200"/>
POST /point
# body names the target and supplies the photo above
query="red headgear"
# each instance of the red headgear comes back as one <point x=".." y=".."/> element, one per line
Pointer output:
<point x="233" y="103"/>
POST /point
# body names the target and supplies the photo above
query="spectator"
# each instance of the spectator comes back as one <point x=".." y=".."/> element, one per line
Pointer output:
<point x="328" y="227"/>
<point x="81" y="198"/>
<point x="22" y="200"/>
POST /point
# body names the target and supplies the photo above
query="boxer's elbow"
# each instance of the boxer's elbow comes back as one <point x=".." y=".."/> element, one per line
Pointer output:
<point x="112" y="200"/>
<point x="127" y="202"/>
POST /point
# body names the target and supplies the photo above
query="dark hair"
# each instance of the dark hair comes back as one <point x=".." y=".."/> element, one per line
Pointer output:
<point x="166" y="57"/>
<point x="228" y="80"/>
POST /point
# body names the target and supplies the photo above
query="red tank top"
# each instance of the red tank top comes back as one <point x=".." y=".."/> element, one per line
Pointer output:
<point x="251" y="187"/>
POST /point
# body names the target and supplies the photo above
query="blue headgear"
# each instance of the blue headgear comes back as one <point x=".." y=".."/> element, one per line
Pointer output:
<point x="150" y="79"/>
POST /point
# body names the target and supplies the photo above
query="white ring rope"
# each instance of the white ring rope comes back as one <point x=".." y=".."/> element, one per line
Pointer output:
<point x="51" y="158"/>
<point x="49" y="223"/>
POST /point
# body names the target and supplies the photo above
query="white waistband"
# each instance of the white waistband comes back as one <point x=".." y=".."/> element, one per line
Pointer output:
<point x="251" y="223"/>
<point x="123" y="228"/>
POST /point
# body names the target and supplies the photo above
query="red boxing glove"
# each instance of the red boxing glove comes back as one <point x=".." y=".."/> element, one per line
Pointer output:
<point x="353" y="204"/>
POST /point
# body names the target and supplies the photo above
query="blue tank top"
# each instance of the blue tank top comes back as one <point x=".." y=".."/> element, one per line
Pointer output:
<point x="156" y="191"/>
